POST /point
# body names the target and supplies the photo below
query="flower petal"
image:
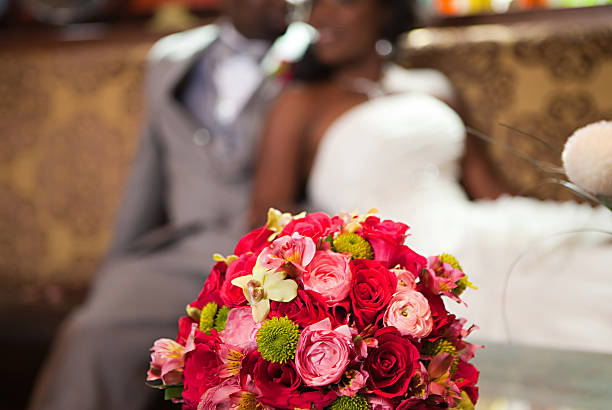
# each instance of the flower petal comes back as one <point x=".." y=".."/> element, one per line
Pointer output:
<point x="242" y="281"/>
<point x="261" y="310"/>
<point x="283" y="291"/>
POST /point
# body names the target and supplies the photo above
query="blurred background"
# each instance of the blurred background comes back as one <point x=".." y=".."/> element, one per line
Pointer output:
<point x="71" y="105"/>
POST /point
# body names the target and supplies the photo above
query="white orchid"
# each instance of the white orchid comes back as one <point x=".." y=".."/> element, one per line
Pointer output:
<point x="263" y="285"/>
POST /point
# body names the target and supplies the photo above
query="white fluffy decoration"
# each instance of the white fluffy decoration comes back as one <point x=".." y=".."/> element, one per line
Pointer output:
<point x="587" y="157"/>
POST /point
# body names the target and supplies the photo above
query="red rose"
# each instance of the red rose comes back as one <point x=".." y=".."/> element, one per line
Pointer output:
<point x="201" y="367"/>
<point x="466" y="378"/>
<point x="392" y="364"/>
<point x="233" y="295"/>
<point x="281" y="387"/>
<point x="317" y="226"/>
<point x="409" y="260"/>
<point x="254" y="241"/>
<point x="305" y="309"/>
<point x="385" y="237"/>
<point x="373" y="286"/>
<point x="212" y="286"/>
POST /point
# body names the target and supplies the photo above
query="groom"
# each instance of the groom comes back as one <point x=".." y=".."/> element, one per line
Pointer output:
<point x="186" y="198"/>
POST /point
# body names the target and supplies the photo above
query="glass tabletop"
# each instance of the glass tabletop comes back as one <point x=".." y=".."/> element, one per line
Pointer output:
<point x="519" y="377"/>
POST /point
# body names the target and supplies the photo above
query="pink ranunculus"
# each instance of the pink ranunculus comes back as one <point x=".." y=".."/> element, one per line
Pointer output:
<point x="329" y="274"/>
<point x="405" y="279"/>
<point x="295" y="250"/>
<point x="409" y="312"/>
<point x="240" y="329"/>
<point x="323" y="353"/>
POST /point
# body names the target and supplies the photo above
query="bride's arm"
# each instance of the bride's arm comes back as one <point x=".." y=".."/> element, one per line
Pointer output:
<point x="278" y="175"/>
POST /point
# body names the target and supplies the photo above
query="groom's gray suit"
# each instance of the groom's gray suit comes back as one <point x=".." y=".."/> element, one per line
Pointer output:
<point x="185" y="199"/>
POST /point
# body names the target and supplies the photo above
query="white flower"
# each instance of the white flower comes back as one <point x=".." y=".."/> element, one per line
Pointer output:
<point x="587" y="158"/>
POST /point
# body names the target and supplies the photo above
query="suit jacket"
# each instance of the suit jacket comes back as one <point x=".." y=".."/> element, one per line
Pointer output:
<point x="186" y="187"/>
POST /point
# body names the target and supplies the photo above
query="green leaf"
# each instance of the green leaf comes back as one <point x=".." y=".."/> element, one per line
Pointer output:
<point x="173" y="392"/>
<point x="157" y="385"/>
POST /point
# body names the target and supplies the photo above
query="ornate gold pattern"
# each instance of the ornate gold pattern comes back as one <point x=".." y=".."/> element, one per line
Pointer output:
<point x="543" y="80"/>
<point x="70" y="118"/>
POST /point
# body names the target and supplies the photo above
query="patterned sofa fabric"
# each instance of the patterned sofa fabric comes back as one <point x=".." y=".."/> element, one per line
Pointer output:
<point x="70" y="117"/>
<point x="545" y="80"/>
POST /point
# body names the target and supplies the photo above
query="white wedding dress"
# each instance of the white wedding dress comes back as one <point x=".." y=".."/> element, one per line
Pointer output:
<point x="400" y="154"/>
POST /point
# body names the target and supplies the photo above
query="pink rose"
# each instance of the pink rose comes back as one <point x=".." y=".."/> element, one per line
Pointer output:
<point x="295" y="250"/>
<point x="240" y="329"/>
<point x="409" y="312"/>
<point x="329" y="274"/>
<point x="323" y="353"/>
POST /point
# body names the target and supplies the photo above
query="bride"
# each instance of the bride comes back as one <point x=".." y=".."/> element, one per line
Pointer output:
<point x="354" y="132"/>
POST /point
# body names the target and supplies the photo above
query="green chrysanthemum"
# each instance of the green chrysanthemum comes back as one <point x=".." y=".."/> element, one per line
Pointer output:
<point x="356" y="402"/>
<point x="442" y="346"/>
<point x="221" y="318"/>
<point x="207" y="318"/>
<point x="277" y="339"/>
<point x="451" y="260"/>
<point x="353" y="244"/>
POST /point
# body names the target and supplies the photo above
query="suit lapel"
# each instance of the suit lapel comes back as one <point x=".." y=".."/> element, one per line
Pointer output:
<point x="174" y="118"/>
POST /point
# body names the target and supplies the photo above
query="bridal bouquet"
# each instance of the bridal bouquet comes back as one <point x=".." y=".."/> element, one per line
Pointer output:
<point x="317" y="312"/>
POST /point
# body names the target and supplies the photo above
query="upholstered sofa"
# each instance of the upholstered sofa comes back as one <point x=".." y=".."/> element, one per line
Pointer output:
<point x="70" y="115"/>
<point x="544" y="78"/>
